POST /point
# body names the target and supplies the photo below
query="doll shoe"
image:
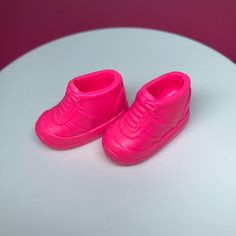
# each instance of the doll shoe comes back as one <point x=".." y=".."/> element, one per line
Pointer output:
<point x="91" y="103"/>
<point x="158" y="114"/>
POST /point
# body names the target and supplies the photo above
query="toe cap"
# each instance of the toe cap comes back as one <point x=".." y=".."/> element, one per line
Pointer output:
<point x="46" y="130"/>
<point x="114" y="146"/>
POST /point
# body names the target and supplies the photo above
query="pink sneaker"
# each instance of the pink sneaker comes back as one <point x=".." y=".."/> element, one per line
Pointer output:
<point x="158" y="114"/>
<point x="91" y="103"/>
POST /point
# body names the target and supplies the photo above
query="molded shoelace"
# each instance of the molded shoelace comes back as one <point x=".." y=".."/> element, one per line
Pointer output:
<point x="136" y="115"/>
<point x="66" y="106"/>
<point x="139" y="110"/>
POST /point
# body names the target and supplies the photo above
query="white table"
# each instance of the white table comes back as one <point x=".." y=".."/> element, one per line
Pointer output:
<point x="187" y="189"/>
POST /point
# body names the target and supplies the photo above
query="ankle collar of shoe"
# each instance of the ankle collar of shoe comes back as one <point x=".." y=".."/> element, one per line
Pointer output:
<point x="153" y="103"/>
<point x="78" y="94"/>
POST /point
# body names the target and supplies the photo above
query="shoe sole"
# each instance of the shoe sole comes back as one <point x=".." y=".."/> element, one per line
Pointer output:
<point x="76" y="141"/>
<point x="155" y="147"/>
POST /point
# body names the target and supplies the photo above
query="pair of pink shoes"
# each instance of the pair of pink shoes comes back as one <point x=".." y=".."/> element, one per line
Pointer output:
<point x="96" y="103"/>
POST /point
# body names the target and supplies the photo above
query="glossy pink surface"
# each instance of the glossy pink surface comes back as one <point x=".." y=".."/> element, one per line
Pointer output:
<point x="159" y="112"/>
<point x="91" y="103"/>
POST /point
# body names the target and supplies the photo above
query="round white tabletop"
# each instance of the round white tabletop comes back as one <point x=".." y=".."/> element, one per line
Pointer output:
<point x="186" y="189"/>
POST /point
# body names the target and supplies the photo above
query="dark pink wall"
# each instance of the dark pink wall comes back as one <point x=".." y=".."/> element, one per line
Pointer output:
<point x="26" y="24"/>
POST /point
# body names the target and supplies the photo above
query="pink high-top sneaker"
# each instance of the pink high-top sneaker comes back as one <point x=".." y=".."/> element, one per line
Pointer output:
<point x="158" y="114"/>
<point x="91" y="103"/>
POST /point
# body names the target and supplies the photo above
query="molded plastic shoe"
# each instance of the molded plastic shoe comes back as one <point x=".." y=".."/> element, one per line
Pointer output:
<point x="159" y="112"/>
<point x="91" y="103"/>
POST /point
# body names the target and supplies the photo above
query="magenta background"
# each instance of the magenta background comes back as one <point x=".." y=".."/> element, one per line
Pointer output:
<point x="26" y="24"/>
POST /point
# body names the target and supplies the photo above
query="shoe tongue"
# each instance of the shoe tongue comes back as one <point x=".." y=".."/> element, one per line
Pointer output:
<point x="147" y="99"/>
<point x="72" y="89"/>
<point x="143" y="93"/>
<point x="149" y="96"/>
